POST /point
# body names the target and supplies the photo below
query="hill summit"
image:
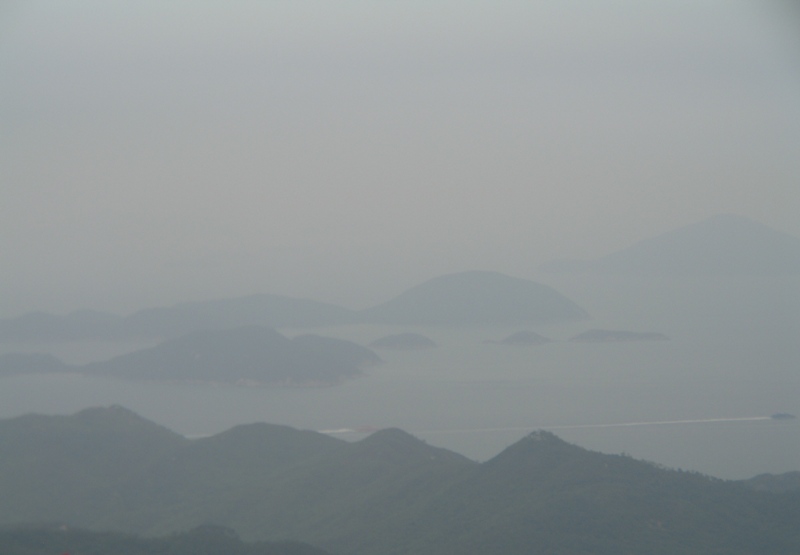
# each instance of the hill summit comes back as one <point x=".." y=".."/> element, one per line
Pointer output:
<point x="388" y="493"/>
<point x="470" y="298"/>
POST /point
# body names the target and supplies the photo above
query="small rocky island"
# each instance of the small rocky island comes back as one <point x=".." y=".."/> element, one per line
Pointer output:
<point x="404" y="341"/>
<point x="614" y="336"/>
<point x="522" y="338"/>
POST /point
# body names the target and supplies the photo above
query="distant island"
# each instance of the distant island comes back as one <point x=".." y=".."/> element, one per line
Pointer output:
<point x="475" y="298"/>
<point x="404" y="341"/>
<point x="611" y="336"/>
<point x="466" y="298"/>
<point x="248" y="356"/>
<point x="725" y="244"/>
<point x="522" y="338"/>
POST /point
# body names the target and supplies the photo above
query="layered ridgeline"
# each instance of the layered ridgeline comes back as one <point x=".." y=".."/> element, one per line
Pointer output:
<point x="725" y="244"/>
<point x="389" y="493"/>
<point x="251" y="355"/>
<point x="275" y="311"/>
<point x="475" y="298"/>
<point x="463" y="298"/>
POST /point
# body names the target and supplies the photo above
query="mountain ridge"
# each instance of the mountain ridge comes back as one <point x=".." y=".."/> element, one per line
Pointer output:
<point x="387" y="493"/>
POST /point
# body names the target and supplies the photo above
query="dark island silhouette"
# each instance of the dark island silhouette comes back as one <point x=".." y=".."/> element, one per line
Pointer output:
<point x="467" y="298"/>
<point x="248" y="356"/>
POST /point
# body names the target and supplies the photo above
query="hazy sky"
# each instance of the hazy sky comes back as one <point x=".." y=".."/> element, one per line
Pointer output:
<point x="343" y="151"/>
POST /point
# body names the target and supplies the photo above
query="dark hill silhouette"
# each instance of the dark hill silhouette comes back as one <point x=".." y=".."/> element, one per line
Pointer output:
<point x="776" y="483"/>
<point x="399" y="447"/>
<point x="389" y="493"/>
<point x="725" y="244"/>
<point x="470" y="298"/>
<point x="250" y="355"/>
<point x="52" y="467"/>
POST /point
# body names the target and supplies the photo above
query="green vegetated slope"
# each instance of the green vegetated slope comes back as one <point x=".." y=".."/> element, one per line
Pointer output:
<point x="788" y="481"/>
<point x="52" y="467"/>
<point x="389" y="493"/>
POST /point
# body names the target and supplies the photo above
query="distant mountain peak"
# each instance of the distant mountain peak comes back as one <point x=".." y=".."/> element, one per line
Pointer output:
<point x="475" y="298"/>
<point x="110" y="413"/>
<point x="539" y="449"/>
<point x="542" y="436"/>
<point x="391" y="434"/>
<point x="723" y="244"/>
<point x="399" y="446"/>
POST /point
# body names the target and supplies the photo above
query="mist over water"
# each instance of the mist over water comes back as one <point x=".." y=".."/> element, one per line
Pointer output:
<point x="700" y="401"/>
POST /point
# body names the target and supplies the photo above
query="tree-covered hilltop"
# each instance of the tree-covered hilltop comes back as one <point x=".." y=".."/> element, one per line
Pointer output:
<point x="390" y="493"/>
<point x="776" y="483"/>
